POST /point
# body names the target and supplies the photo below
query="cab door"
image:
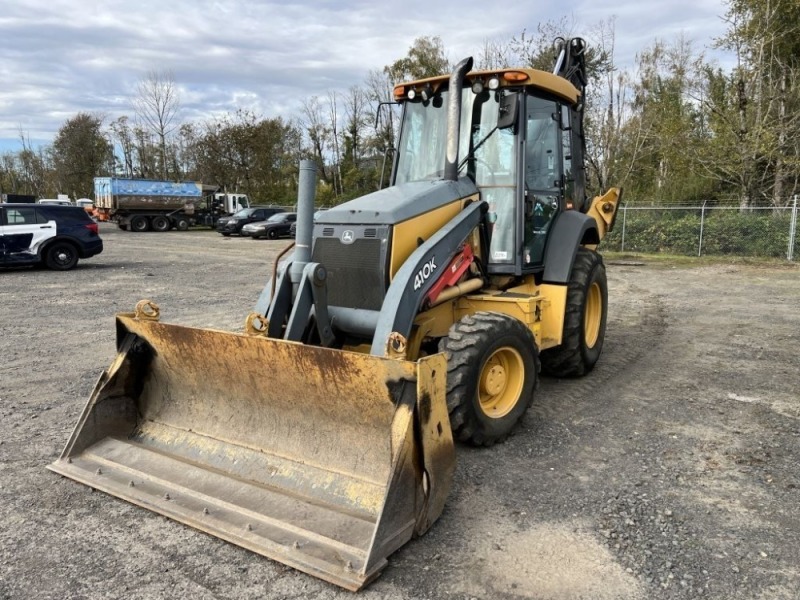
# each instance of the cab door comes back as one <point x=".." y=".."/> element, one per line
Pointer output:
<point x="23" y="230"/>
<point x="543" y="177"/>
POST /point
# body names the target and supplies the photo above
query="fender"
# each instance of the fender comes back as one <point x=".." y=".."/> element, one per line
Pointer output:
<point x="570" y="230"/>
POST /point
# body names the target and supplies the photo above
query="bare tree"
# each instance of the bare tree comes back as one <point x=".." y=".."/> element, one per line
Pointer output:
<point x="32" y="166"/>
<point x="122" y="132"/>
<point x="379" y="92"/>
<point x="319" y="135"/>
<point x="157" y="104"/>
<point x="333" y="116"/>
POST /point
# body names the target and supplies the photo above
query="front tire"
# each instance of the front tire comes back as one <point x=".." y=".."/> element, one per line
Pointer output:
<point x="584" y="321"/>
<point x="492" y="366"/>
<point x="272" y="234"/>
<point x="61" y="256"/>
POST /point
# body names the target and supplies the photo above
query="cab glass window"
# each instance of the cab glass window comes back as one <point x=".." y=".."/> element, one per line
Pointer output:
<point x="491" y="159"/>
<point x="544" y="172"/>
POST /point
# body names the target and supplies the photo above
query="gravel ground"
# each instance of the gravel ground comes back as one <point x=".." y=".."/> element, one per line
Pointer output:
<point x="671" y="471"/>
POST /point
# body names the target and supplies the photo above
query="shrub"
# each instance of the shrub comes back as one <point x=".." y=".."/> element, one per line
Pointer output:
<point x="757" y="233"/>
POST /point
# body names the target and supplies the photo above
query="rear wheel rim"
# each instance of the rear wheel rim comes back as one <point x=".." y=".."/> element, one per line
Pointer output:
<point x="500" y="382"/>
<point x="63" y="256"/>
<point x="593" y="315"/>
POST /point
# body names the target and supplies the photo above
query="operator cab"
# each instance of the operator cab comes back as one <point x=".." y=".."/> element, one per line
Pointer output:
<point x="519" y="141"/>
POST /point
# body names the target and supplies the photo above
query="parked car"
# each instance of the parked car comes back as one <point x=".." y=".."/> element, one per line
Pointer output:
<point x="56" y="236"/>
<point x="278" y="225"/>
<point x="55" y="202"/>
<point x="293" y="228"/>
<point x="233" y="224"/>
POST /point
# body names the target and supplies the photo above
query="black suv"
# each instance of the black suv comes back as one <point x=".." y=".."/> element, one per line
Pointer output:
<point x="234" y="223"/>
<point x="54" y="235"/>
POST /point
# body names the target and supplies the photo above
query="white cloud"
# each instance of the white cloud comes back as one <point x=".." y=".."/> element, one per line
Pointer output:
<point x="59" y="57"/>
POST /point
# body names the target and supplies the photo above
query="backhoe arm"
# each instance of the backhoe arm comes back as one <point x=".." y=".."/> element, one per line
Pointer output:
<point x="603" y="210"/>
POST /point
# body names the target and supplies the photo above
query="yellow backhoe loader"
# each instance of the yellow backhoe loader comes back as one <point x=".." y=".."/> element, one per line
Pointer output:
<point x="406" y="318"/>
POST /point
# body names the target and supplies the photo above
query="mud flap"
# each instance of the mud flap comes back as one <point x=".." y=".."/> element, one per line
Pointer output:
<point x="324" y="460"/>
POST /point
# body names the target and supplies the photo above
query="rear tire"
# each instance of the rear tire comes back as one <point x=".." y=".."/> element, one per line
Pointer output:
<point x="61" y="256"/>
<point x="584" y="321"/>
<point x="492" y="366"/>
<point x="160" y="223"/>
<point x="140" y="224"/>
<point x="182" y="224"/>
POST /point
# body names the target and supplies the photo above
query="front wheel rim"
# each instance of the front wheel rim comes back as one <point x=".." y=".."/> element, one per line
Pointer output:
<point x="500" y="382"/>
<point x="593" y="315"/>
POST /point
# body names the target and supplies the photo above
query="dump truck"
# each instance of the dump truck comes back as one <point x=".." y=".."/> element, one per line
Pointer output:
<point x="404" y="320"/>
<point x="154" y="205"/>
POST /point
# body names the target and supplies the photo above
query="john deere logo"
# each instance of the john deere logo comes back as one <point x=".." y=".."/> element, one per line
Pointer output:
<point x="348" y="237"/>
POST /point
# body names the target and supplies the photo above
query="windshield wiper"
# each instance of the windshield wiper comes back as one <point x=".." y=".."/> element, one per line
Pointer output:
<point x="475" y="149"/>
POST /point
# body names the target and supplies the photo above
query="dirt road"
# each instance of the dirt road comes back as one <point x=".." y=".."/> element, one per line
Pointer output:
<point x="672" y="471"/>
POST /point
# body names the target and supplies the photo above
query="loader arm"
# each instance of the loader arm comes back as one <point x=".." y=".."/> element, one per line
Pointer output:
<point x="418" y="275"/>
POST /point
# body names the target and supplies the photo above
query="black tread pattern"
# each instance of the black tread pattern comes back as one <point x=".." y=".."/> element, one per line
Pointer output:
<point x="569" y="359"/>
<point x="465" y="345"/>
<point x="139" y="223"/>
<point x="160" y="223"/>
<point x="50" y="256"/>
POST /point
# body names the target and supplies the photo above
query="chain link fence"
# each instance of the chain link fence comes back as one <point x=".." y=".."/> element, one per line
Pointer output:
<point x="707" y="230"/>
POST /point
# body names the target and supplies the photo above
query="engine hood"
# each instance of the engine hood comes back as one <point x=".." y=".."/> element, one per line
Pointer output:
<point x="397" y="203"/>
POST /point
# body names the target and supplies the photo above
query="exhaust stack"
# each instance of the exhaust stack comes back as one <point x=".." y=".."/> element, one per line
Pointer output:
<point x="305" y="220"/>
<point x="454" y="118"/>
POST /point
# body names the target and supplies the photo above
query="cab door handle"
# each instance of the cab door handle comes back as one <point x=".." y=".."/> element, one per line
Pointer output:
<point x="45" y="226"/>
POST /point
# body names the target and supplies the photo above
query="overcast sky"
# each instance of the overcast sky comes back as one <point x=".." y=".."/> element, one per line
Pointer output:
<point x="61" y="57"/>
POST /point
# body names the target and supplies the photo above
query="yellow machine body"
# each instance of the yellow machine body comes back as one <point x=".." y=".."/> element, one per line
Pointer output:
<point x="322" y="458"/>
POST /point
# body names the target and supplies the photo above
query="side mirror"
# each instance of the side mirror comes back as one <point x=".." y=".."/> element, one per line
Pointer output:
<point x="378" y="119"/>
<point x="507" y="112"/>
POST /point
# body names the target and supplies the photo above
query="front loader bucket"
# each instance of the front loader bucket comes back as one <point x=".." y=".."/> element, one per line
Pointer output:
<point x="325" y="460"/>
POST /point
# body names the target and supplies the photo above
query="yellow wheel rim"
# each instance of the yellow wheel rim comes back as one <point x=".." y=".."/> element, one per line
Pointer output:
<point x="593" y="315"/>
<point x="500" y="383"/>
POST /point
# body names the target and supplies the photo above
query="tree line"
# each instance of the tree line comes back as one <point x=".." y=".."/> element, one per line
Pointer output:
<point x="673" y="129"/>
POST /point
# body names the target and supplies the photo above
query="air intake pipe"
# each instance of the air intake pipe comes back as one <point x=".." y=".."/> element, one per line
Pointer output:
<point x="454" y="118"/>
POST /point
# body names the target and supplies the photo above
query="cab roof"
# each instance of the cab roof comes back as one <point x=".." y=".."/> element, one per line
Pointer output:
<point x="543" y="80"/>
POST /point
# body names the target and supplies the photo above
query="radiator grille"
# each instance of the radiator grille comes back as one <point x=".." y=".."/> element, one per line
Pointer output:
<point x="355" y="274"/>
